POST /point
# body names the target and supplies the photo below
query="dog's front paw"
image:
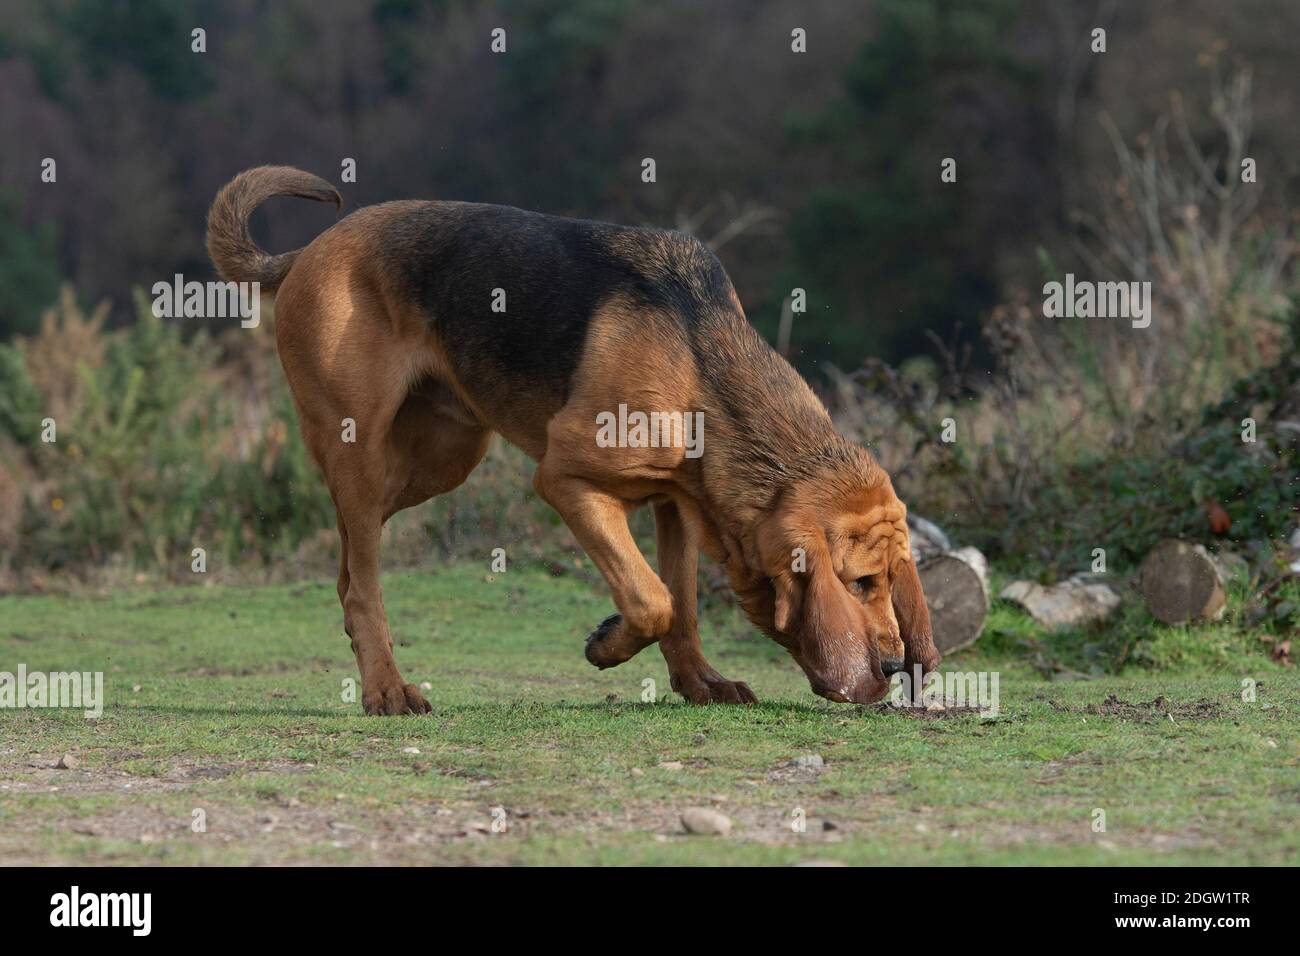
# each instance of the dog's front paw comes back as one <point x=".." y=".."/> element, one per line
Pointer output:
<point x="610" y="644"/>
<point x="393" y="699"/>
<point x="711" y="687"/>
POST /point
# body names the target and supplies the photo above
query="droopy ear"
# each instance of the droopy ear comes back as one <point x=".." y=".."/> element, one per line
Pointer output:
<point x="913" y="618"/>
<point x="789" y="598"/>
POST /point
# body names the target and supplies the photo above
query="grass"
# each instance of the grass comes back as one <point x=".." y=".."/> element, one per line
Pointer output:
<point x="225" y="706"/>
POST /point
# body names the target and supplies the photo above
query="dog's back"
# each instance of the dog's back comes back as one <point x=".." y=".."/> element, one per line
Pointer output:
<point x="510" y="294"/>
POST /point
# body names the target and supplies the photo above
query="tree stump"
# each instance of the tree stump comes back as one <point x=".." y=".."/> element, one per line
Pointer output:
<point x="1181" y="582"/>
<point x="957" y="593"/>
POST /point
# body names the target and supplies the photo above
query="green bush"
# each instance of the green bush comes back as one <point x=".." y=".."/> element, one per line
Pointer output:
<point x="20" y="403"/>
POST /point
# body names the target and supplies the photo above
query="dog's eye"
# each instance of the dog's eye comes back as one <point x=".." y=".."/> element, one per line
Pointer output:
<point x="862" y="585"/>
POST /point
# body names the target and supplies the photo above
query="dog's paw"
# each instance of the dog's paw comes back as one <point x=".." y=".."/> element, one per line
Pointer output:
<point x="713" y="689"/>
<point x="610" y="644"/>
<point x="396" y="698"/>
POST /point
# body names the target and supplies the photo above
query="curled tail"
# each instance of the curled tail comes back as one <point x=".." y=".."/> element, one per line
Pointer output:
<point x="233" y="252"/>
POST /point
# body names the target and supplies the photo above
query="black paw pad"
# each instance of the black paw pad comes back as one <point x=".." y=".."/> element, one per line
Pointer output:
<point x="602" y="629"/>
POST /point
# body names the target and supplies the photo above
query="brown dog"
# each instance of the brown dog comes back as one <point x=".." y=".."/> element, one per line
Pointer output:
<point x="431" y="325"/>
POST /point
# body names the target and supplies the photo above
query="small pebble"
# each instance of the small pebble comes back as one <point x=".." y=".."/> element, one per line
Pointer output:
<point x="67" y="762"/>
<point x="670" y="765"/>
<point x="410" y="750"/>
<point x="702" y="820"/>
<point x="809" y="761"/>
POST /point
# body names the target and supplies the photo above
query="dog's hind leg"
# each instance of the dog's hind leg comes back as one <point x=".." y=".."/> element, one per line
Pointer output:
<point x="690" y="674"/>
<point x="355" y="474"/>
<point x="426" y="452"/>
<point x="433" y="445"/>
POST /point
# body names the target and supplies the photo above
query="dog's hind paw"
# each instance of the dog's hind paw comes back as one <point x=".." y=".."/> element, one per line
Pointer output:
<point x="610" y="644"/>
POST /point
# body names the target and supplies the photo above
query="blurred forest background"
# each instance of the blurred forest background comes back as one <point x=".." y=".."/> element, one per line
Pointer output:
<point x="816" y="170"/>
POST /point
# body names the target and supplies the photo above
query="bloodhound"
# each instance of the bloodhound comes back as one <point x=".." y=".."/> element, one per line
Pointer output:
<point x="432" y="325"/>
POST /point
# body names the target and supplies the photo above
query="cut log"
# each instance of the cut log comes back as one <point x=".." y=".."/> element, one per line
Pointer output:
<point x="957" y="592"/>
<point x="1181" y="582"/>
<point x="1074" y="602"/>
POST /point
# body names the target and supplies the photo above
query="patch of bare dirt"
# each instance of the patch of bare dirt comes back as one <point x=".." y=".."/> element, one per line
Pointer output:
<point x="1162" y="708"/>
<point x="39" y="772"/>
<point x="945" y="711"/>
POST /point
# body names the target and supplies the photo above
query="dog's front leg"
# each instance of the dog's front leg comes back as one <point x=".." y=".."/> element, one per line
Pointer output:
<point x="690" y="674"/>
<point x="599" y="521"/>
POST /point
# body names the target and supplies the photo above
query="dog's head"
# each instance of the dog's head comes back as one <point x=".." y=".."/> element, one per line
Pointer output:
<point x="843" y="591"/>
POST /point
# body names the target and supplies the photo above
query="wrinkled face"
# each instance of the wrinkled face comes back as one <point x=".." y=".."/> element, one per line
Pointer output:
<point x="842" y="576"/>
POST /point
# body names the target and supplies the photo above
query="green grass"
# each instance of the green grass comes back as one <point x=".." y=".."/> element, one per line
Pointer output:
<point x="239" y="714"/>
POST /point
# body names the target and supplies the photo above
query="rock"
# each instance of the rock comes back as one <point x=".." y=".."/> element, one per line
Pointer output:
<point x="670" y="765"/>
<point x="927" y="539"/>
<point x="1074" y="602"/>
<point x="67" y="762"/>
<point x="410" y="750"/>
<point x="809" y="762"/>
<point x="1232" y="566"/>
<point x="957" y="593"/>
<point x="702" y="820"/>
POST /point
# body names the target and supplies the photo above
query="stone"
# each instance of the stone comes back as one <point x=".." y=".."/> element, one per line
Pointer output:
<point x="707" y="822"/>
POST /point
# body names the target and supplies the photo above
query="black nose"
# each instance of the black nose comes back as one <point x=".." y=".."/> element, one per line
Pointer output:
<point x="888" y="667"/>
